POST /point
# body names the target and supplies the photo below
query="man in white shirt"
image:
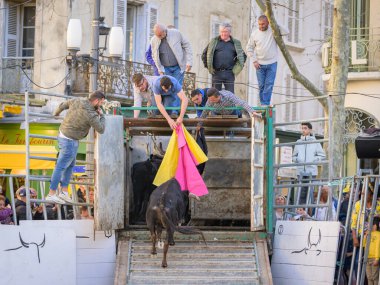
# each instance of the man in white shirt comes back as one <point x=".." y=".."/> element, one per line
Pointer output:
<point x="142" y="90"/>
<point x="262" y="48"/>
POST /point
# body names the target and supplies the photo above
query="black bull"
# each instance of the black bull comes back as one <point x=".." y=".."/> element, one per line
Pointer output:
<point x="165" y="210"/>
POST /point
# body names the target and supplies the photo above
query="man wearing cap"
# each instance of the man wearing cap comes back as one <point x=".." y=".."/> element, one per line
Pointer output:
<point x="82" y="114"/>
<point x="222" y="99"/>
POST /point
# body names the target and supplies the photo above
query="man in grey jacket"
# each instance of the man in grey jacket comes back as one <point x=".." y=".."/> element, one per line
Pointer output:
<point x="171" y="52"/>
<point x="307" y="153"/>
<point x="82" y="114"/>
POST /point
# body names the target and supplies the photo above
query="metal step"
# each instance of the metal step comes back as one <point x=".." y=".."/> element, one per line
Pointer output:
<point x="192" y="262"/>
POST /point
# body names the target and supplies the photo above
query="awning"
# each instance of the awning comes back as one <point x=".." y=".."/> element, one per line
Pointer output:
<point x="13" y="156"/>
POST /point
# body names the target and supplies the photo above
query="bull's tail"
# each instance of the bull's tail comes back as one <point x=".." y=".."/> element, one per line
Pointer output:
<point x="190" y="231"/>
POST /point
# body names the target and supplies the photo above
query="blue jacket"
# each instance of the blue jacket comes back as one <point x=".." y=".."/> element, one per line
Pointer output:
<point x="149" y="59"/>
<point x="204" y="101"/>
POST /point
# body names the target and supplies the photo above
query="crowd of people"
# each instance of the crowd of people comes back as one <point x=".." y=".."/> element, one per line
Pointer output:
<point x="10" y="216"/>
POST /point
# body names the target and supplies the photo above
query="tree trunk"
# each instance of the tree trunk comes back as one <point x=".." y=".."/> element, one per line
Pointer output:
<point x="338" y="77"/>
<point x="338" y="80"/>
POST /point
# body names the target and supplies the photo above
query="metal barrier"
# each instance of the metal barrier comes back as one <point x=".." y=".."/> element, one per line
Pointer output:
<point x="307" y="182"/>
<point x="43" y="178"/>
<point x="358" y="226"/>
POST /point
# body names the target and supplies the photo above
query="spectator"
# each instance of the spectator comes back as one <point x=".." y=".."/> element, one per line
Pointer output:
<point x="5" y="213"/>
<point x="84" y="215"/>
<point x="81" y="190"/>
<point x="321" y="214"/>
<point x="280" y="212"/>
<point x="143" y="90"/>
<point x="262" y="48"/>
<point x="372" y="268"/>
<point x="362" y="224"/>
<point x="82" y="114"/>
<point x="149" y="59"/>
<point x="199" y="98"/>
<point x="221" y="99"/>
<point x="171" y="52"/>
<point x="20" y="204"/>
<point x="224" y="58"/>
<point x="168" y="93"/>
<point x="307" y="153"/>
<point x="7" y="202"/>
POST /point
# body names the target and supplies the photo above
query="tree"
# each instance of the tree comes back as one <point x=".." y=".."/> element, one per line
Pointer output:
<point x="338" y="76"/>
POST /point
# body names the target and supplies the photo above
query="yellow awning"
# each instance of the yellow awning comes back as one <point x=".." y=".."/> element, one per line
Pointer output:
<point x="13" y="156"/>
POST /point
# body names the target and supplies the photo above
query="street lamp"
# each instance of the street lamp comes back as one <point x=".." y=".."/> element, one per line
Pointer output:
<point x="104" y="30"/>
<point x="74" y="36"/>
<point x="116" y="43"/>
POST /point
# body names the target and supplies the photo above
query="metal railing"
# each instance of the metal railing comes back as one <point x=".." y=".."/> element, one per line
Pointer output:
<point x="42" y="179"/>
<point x="364" y="50"/>
<point x="115" y="78"/>
<point x="357" y="217"/>
<point x="294" y="189"/>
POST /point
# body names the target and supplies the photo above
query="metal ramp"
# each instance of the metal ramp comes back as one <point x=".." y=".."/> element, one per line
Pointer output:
<point x="191" y="262"/>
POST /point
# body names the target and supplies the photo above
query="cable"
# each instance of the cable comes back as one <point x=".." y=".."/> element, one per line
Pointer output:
<point x="40" y="85"/>
<point x="15" y="65"/>
<point x="5" y="8"/>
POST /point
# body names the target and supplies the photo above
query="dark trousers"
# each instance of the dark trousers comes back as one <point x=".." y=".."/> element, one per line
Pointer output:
<point x="225" y="77"/>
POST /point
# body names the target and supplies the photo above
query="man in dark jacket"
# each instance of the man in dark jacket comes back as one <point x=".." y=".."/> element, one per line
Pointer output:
<point x="224" y="58"/>
<point x="82" y="114"/>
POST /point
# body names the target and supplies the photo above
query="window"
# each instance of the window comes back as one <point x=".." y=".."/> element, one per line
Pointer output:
<point x="291" y="91"/>
<point x="130" y="33"/>
<point x="215" y="24"/>
<point x="20" y="30"/>
<point x="119" y="18"/>
<point x="327" y="18"/>
<point x="294" y="22"/>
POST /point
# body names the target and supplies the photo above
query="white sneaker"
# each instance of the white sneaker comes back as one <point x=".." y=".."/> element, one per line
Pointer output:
<point x="65" y="197"/>
<point x="55" y="199"/>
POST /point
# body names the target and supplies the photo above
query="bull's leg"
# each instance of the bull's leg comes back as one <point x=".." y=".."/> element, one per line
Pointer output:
<point x="166" y="248"/>
<point x="154" y="239"/>
<point x="170" y="237"/>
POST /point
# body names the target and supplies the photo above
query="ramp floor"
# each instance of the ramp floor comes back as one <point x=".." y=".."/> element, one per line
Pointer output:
<point x="192" y="262"/>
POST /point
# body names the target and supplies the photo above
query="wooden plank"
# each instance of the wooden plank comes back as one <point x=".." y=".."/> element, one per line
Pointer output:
<point x="121" y="270"/>
<point x="264" y="265"/>
<point x="110" y="171"/>
<point x="303" y="273"/>
<point x="209" y="122"/>
<point x="295" y="228"/>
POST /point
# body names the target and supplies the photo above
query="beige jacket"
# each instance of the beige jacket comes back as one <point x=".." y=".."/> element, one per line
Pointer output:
<point x="180" y="46"/>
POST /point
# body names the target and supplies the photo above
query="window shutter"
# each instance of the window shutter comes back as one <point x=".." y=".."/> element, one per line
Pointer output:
<point x="215" y="30"/>
<point x="294" y="91"/>
<point x="153" y="14"/>
<point x="120" y="13"/>
<point x="12" y="31"/>
<point x="297" y="22"/>
<point x="290" y="21"/>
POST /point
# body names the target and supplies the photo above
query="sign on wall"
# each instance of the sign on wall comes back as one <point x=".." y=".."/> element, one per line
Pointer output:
<point x="36" y="256"/>
<point x="305" y="252"/>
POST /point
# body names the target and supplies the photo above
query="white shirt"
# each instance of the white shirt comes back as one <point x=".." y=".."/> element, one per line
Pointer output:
<point x="147" y="95"/>
<point x="262" y="46"/>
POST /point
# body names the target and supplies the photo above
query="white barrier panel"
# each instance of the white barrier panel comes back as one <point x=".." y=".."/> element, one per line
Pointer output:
<point x="95" y="255"/>
<point x="36" y="256"/>
<point x="304" y="252"/>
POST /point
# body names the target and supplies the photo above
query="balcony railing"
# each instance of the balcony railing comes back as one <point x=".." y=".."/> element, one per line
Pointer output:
<point x="13" y="74"/>
<point x="364" y="51"/>
<point x="116" y="78"/>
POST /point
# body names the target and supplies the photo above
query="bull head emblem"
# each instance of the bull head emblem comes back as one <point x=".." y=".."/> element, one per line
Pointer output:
<point x="27" y="245"/>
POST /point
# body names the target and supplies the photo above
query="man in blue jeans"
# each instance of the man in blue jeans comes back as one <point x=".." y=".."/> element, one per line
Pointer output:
<point x="82" y="114"/>
<point x="262" y="48"/>
<point x="171" y="52"/>
<point x="168" y="93"/>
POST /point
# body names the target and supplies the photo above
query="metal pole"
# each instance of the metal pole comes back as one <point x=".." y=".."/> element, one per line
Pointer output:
<point x="95" y="47"/>
<point x="27" y="160"/>
<point x="11" y="189"/>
